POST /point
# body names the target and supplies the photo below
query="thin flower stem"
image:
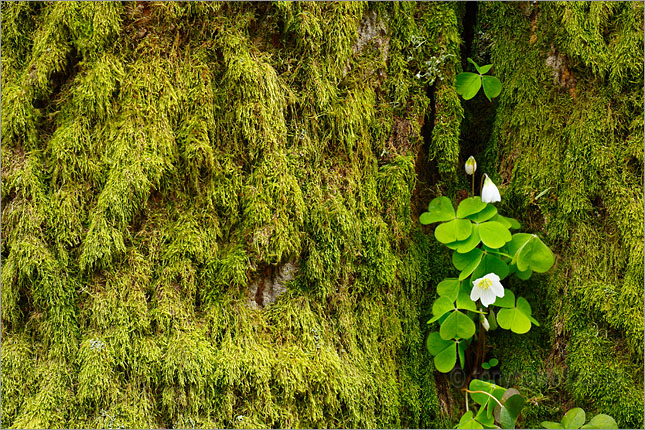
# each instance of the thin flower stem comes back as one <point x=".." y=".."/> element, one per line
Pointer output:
<point x="473" y="181"/>
<point x="483" y="392"/>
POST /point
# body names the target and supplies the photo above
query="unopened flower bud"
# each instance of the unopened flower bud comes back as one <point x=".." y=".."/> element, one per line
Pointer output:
<point x="485" y="323"/>
<point x="471" y="165"/>
<point x="490" y="193"/>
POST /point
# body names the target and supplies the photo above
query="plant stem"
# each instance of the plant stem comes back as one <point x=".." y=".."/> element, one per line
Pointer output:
<point x="483" y="392"/>
<point x="473" y="181"/>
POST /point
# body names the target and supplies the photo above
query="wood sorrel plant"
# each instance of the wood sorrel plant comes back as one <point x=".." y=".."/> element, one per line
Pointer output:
<point x="485" y="254"/>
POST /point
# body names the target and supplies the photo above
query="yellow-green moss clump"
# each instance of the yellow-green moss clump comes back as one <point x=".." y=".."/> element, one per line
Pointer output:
<point x="160" y="158"/>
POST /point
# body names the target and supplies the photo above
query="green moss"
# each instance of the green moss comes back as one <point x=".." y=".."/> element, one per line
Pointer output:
<point x="158" y="157"/>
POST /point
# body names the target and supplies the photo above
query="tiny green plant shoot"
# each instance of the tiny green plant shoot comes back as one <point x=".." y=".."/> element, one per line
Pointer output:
<point x="490" y="363"/>
<point x="468" y="83"/>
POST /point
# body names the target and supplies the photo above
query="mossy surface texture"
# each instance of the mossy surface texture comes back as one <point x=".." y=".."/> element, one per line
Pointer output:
<point x="163" y="161"/>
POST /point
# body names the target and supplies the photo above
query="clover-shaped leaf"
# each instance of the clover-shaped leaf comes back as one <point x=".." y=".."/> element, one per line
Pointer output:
<point x="467" y="262"/>
<point x="444" y="352"/>
<point x="494" y="234"/>
<point x="440" y="307"/>
<point x="457" y="325"/>
<point x="530" y="253"/>
<point x="470" y="206"/>
<point x="468" y="244"/>
<point x="490" y="264"/>
<point x="484" y="215"/>
<point x="457" y="229"/>
<point x="449" y="288"/>
<point x="467" y="84"/>
<point x="517" y="319"/>
<point x="440" y="209"/>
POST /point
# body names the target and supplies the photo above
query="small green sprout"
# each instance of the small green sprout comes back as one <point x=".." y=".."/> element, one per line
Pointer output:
<point x="468" y="83"/>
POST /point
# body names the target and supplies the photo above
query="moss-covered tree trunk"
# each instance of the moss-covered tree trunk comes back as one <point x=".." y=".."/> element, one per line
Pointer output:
<point x="210" y="210"/>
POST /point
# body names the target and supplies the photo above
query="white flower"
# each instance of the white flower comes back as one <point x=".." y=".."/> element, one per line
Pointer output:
<point x="490" y="193"/>
<point x="471" y="165"/>
<point x="487" y="289"/>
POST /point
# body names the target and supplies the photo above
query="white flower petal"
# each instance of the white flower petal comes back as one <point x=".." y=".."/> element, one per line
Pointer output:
<point x="493" y="277"/>
<point x="488" y="297"/>
<point x="497" y="288"/>
<point x="475" y="294"/>
<point x="490" y="193"/>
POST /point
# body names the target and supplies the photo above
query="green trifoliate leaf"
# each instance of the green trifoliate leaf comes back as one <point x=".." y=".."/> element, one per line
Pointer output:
<point x="551" y="425"/>
<point x="457" y="325"/>
<point x="600" y="421"/>
<point x="530" y="253"/>
<point x="494" y="234"/>
<point x="440" y="307"/>
<point x="492" y="86"/>
<point x="470" y="206"/>
<point x="440" y="209"/>
<point x="451" y="231"/>
<point x="464" y="246"/>
<point x="449" y="288"/>
<point x="484" y="215"/>
<point x="515" y="319"/>
<point x="468" y="84"/>
<point x="574" y="419"/>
